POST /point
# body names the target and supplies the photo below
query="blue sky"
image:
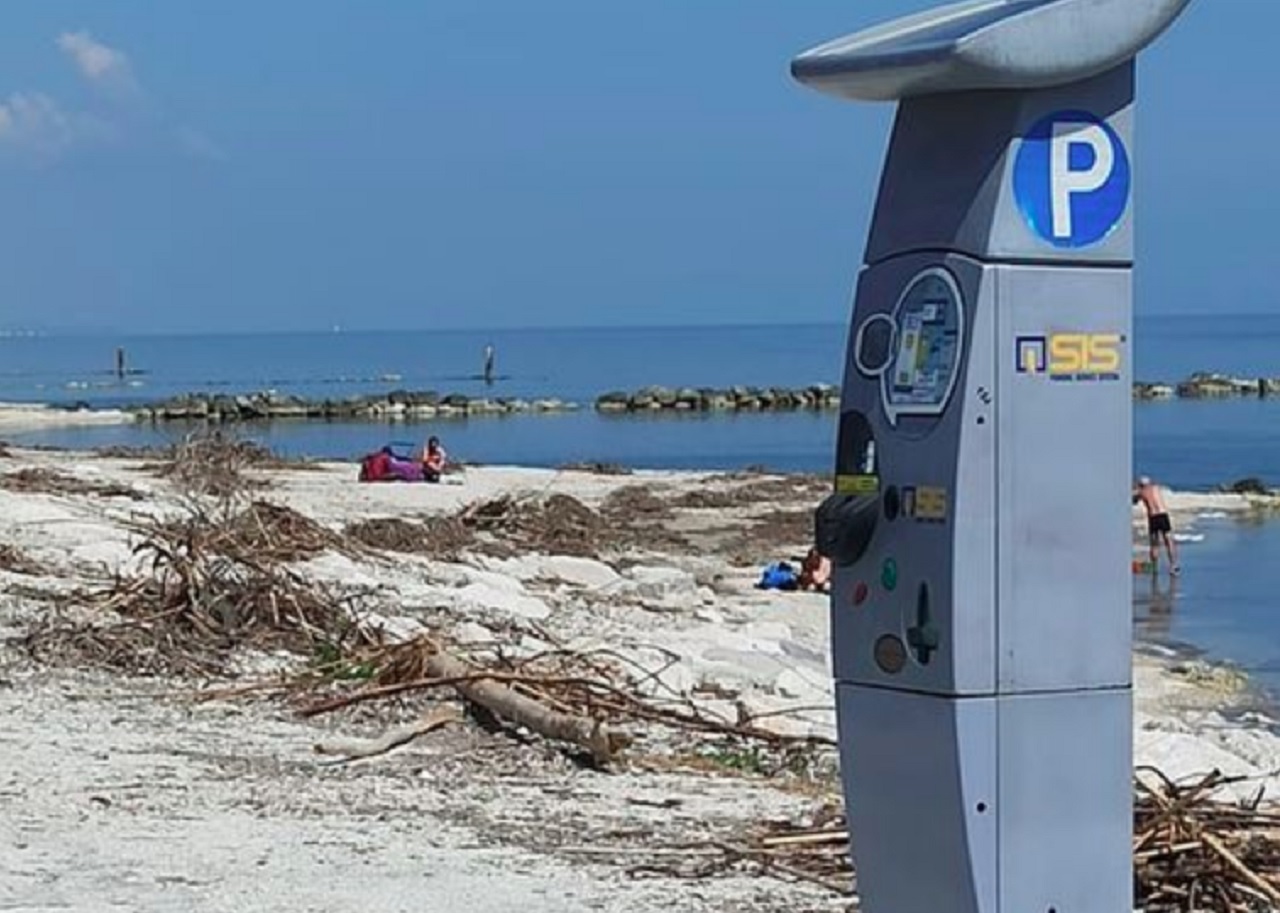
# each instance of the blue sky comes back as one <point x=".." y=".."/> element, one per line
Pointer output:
<point x="295" y="165"/>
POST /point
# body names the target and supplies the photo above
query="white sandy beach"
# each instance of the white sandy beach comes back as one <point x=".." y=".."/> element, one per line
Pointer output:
<point x="124" y="793"/>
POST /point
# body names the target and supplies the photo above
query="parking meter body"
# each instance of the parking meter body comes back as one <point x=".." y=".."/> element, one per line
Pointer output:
<point x="979" y="529"/>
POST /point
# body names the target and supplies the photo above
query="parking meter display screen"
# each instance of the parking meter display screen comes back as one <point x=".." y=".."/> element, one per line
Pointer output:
<point x="928" y="352"/>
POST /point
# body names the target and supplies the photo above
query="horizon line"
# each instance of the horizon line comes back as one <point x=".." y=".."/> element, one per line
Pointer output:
<point x="19" y="332"/>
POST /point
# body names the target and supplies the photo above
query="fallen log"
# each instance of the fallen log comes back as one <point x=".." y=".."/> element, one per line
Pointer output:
<point x="513" y="707"/>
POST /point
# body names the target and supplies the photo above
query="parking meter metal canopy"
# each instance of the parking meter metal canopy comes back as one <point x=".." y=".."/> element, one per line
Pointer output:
<point x="987" y="44"/>
<point x="979" y="524"/>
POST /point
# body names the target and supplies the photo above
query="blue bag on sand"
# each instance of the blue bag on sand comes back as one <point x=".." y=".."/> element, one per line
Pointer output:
<point x="778" y="576"/>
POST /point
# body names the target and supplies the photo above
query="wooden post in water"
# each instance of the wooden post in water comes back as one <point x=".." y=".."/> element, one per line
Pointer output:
<point x="488" y="364"/>
<point x="120" y="362"/>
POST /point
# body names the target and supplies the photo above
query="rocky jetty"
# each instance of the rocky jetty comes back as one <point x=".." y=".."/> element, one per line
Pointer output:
<point x="733" y="399"/>
<point x="397" y="404"/>
<point x="1206" y="385"/>
<point x="424" y="404"/>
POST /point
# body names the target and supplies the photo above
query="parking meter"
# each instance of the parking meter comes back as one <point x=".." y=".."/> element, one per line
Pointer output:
<point x="979" y="528"/>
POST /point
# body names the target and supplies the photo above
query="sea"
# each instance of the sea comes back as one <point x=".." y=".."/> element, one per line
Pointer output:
<point x="1224" y="605"/>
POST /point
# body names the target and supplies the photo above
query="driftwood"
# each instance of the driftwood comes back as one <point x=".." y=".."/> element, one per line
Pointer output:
<point x="1193" y="852"/>
<point x="402" y="735"/>
<point x="508" y="704"/>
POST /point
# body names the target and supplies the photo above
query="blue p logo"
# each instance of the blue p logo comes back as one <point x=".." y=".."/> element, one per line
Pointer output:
<point x="1071" y="179"/>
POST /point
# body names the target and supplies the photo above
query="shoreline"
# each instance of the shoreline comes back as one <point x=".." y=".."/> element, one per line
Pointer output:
<point x="1184" y="506"/>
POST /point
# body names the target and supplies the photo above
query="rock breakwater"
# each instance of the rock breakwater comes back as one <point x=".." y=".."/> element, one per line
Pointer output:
<point x="1207" y="385"/>
<point x="397" y="404"/>
<point x="430" y="404"/>
<point x="732" y="399"/>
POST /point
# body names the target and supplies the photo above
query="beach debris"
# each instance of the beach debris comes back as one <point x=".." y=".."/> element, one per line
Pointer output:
<point x="597" y="701"/>
<point x="596" y="468"/>
<point x="516" y="698"/>
<point x="1196" y="853"/>
<point x="212" y="588"/>
<point x="429" y="722"/>
<point x="767" y="533"/>
<point x="747" y="489"/>
<point x="212" y="463"/>
<point x="1193" y="851"/>
<point x="16" y="561"/>
<point x="557" y="524"/>
<point x="634" y="516"/>
<point x="263" y="531"/>
<point x="40" y="480"/>
<point x="445" y="537"/>
<point x="636" y="502"/>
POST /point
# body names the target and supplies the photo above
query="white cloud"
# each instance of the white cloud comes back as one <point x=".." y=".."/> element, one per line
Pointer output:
<point x="35" y="124"/>
<point x="102" y="65"/>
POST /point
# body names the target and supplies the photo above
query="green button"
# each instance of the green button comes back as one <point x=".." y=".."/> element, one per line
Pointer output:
<point x="889" y="574"/>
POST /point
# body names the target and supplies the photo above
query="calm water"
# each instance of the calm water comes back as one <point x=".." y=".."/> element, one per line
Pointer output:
<point x="1225" y="602"/>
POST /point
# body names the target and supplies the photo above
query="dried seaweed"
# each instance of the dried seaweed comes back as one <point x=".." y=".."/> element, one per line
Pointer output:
<point x="39" y="480"/>
<point x="600" y="469"/>
<point x="635" y="503"/>
<point x="438" y="537"/>
<point x="558" y="524"/>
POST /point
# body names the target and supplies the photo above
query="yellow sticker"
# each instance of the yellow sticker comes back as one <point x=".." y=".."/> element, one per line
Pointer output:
<point x="931" y="503"/>
<point x="857" y="484"/>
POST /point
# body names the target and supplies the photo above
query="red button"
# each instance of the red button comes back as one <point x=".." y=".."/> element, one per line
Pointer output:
<point x="860" y="593"/>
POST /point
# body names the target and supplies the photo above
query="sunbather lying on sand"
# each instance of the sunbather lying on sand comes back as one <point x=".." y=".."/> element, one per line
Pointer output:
<point x="815" y="572"/>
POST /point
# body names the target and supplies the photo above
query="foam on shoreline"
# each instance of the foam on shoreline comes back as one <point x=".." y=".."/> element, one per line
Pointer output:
<point x="33" y="416"/>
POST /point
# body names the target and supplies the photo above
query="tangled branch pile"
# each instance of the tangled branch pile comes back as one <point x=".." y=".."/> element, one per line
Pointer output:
<point x="38" y="480"/>
<point x="212" y="588"/>
<point x="439" y="537"/>
<point x="559" y="524"/>
<point x="634" y="516"/>
<point x="1192" y="851"/>
<point x="261" y="532"/>
<point x="214" y="463"/>
<point x="598" y="700"/>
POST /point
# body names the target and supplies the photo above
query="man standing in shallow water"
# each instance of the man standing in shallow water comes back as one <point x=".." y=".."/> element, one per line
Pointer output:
<point x="1159" y="526"/>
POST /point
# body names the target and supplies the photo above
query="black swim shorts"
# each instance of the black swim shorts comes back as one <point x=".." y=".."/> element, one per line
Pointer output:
<point x="1159" y="523"/>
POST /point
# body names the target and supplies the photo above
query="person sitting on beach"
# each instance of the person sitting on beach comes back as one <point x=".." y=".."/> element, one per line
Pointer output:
<point x="433" y="459"/>
<point x="1159" y="526"/>
<point x="815" y="572"/>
